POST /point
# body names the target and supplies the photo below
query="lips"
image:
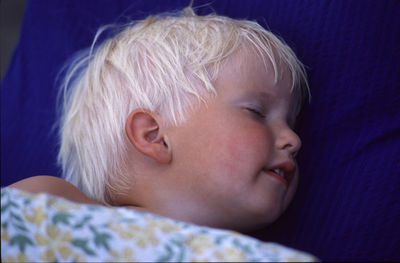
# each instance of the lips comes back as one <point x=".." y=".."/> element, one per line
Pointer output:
<point x="277" y="177"/>
<point x="282" y="172"/>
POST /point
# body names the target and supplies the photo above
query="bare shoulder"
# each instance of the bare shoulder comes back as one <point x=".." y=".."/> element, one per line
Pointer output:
<point x="54" y="186"/>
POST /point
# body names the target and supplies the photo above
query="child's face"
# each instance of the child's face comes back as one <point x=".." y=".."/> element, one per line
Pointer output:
<point x="224" y="154"/>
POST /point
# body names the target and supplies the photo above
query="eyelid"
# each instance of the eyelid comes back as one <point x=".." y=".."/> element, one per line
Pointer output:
<point x="256" y="111"/>
<point x="257" y="106"/>
<point x="261" y="112"/>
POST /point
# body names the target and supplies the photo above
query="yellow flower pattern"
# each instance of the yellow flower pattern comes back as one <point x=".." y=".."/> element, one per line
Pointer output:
<point x="44" y="228"/>
<point x="35" y="216"/>
<point x="19" y="258"/>
<point x="199" y="243"/>
<point x="4" y="235"/>
<point x="125" y="256"/>
<point x="55" y="243"/>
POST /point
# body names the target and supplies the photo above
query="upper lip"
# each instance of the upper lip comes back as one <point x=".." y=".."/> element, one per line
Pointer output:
<point x="288" y="167"/>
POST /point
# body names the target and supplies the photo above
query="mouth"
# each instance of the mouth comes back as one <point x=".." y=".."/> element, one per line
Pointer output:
<point x="283" y="172"/>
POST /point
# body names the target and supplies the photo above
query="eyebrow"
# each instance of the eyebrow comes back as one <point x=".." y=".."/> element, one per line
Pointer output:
<point x="261" y="95"/>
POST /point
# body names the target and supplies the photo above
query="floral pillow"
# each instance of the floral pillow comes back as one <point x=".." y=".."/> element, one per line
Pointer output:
<point x="41" y="227"/>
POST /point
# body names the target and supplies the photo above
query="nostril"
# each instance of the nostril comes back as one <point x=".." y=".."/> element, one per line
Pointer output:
<point x="289" y="141"/>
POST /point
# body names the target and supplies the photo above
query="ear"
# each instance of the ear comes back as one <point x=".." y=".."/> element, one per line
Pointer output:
<point x="145" y="133"/>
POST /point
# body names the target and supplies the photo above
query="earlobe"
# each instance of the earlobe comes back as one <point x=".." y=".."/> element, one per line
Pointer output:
<point x="144" y="130"/>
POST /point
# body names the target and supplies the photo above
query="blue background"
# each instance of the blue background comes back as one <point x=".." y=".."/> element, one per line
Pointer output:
<point x="348" y="203"/>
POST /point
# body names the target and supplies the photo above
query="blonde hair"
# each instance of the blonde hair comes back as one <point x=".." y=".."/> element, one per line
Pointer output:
<point x="155" y="64"/>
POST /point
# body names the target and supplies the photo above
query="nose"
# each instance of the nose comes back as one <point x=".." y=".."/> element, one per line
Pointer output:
<point x="288" y="140"/>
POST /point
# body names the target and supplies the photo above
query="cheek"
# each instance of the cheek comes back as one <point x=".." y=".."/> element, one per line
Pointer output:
<point x="241" y="149"/>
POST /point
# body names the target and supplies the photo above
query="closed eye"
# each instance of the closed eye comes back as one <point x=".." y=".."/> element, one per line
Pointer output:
<point x="257" y="113"/>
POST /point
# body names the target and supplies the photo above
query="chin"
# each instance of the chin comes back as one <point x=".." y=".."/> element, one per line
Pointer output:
<point x="256" y="221"/>
<point x="269" y="219"/>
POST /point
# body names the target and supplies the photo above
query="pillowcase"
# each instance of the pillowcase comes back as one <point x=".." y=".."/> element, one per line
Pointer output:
<point x="41" y="227"/>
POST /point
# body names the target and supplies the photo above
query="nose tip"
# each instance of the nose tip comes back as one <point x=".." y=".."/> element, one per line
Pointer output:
<point x="288" y="140"/>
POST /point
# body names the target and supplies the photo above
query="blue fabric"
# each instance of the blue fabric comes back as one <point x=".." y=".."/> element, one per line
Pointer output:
<point x="347" y="207"/>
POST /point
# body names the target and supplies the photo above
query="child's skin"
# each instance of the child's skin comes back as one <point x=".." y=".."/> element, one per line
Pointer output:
<point x="215" y="169"/>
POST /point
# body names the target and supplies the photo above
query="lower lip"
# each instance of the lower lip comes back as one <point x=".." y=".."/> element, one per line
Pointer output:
<point x="277" y="177"/>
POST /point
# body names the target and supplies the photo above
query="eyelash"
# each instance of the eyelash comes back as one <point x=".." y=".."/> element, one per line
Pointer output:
<point x="258" y="113"/>
<point x="261" y="115"/>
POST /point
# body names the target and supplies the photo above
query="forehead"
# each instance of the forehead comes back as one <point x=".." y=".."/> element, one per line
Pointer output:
<point x="249" y="71"/>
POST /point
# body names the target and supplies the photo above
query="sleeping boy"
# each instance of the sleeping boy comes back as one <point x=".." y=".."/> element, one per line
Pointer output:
<point x="186" y="117"/>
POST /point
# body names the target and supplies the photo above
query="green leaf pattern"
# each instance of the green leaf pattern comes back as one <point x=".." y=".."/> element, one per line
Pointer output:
<point x="41" y="227"/>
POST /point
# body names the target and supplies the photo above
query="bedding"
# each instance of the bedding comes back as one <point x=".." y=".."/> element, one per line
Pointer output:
<point x="41" y="227"/>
